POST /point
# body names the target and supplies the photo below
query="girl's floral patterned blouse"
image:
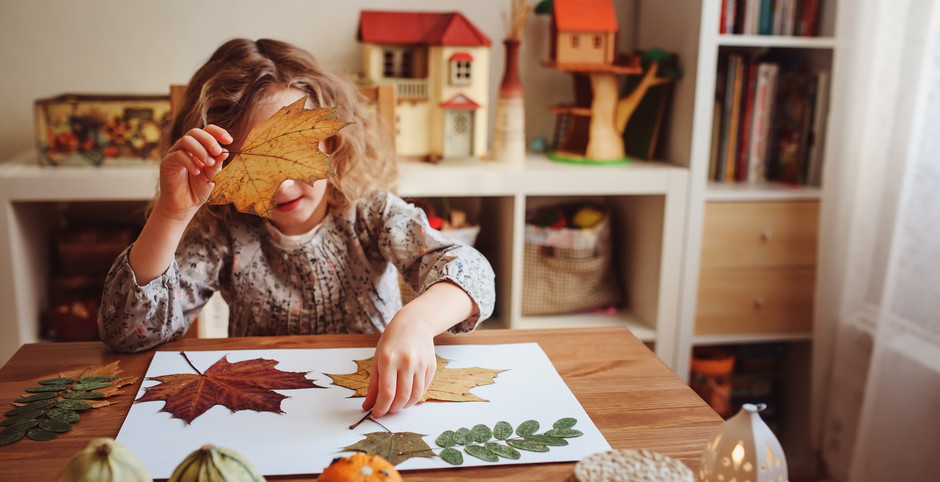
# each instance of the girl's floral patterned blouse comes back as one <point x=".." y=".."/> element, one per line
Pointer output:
<point x="342" y="277"/>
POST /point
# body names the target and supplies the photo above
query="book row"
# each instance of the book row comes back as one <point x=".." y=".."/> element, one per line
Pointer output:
<point x="770" y="17"/>
<point x="769" y="121"/>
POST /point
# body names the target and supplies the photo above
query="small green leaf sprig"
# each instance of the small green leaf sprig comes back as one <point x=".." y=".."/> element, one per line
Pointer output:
<point x="477" y="441"/>
<point x="52" y="408"/>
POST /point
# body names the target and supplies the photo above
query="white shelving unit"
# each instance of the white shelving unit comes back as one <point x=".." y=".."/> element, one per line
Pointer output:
<point x="709" y="43"/>
<point x="647" y="201"/>
<point x="698" y="25"/>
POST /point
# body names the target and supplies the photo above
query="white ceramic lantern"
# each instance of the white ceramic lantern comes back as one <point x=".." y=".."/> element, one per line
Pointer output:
<point x="744" y="450"/>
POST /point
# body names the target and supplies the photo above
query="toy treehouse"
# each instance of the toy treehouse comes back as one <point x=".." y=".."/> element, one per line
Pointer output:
<point x="439" y="65"/>
<point x="583" y="43"/>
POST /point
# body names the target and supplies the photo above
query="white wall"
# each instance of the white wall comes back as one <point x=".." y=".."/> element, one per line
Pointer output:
<point x="49" y="47"/>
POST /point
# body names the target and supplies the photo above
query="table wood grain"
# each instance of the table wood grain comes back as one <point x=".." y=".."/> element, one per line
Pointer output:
<point x="632" y="397"/>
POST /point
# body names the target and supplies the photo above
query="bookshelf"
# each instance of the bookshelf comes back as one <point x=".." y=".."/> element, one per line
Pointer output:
<point x="712" y="50"/>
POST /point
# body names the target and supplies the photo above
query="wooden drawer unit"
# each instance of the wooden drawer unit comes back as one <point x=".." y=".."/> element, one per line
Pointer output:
<point x="755" y="301"/>
<point x="758" y="267"/>
<point x="752" y="234"/>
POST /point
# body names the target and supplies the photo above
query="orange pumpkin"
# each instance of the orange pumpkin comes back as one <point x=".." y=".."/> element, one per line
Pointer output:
<point x="360" y="467"/>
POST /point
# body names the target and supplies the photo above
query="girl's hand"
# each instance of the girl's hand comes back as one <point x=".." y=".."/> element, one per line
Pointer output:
<point x="403" y="366"/>
<point x="187" y="169"/>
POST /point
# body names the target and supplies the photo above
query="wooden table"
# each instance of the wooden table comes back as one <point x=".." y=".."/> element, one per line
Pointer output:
<point x="632" y="397"/>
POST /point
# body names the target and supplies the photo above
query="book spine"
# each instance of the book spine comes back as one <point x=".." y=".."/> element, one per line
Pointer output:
<point x="727" y="99"/>
<point x="818" y="134"/>
<point x="778" y="17"/>
<point x="807" y="24"/>
<point x="739" y="10"/>
<point x="734" y="125"/>
<point x="755" y="16"/>
<point x="788" y="146"/>
<point x="808" y="89"/>
<point x="728" y="13"/>
<point x="751" y="8"/>
<point x="766" y="23"/>
<point x="741" y="171"/>
<point x="716" y="140"/>
<point x="722" y="28"/>
<point x="770" y="115"/>
<point x="760" y="121"/>
<point x="789" y="17"/>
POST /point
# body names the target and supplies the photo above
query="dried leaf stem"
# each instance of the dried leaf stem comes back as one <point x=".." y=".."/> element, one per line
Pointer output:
<point x="190" y="362"/>
<point x="364" y="417"/>
<point x="368" y="416"/>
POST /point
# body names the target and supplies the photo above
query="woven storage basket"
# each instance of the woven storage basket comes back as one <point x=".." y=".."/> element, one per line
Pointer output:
<point x="568" y="270"/>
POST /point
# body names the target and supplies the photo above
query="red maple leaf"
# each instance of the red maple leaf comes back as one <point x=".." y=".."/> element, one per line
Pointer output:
<point x="244" y="385"/>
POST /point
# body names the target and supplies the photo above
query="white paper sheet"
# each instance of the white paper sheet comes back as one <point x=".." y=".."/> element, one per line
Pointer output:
<point x="315" y="426"/>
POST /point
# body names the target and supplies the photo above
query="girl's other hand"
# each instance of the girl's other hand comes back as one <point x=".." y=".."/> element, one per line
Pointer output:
<point x="403" y="366"/>
<point x="187" y="169"/>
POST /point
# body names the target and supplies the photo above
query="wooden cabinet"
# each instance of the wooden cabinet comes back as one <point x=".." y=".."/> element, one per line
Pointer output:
<point x="759" y="234"/>
<point x="755" y="301"/>
<point x="758" y="268"/>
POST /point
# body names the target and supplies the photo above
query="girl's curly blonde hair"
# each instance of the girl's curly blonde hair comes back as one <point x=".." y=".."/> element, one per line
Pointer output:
<point x="242" y="73"/>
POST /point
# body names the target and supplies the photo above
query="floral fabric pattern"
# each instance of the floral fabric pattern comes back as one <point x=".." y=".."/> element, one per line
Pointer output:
<point x="342" y="277"/>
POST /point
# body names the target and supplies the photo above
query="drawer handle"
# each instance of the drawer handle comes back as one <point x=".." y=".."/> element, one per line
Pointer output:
<point x="759" y="303"/>
<point x="765" y="235"/>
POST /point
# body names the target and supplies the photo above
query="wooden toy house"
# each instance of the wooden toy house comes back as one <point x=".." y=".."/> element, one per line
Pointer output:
<point x="584" y="32"/>
<point x="439" y="65"/>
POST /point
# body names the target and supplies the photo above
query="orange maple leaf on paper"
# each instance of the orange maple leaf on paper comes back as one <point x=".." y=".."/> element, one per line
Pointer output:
<point x="244" y="385"/>
<point x="286" y="146"/>
<point x="449" y="384"/>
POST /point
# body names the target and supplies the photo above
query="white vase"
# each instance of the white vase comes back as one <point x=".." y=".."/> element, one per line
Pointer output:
<point x="744" y="449"/>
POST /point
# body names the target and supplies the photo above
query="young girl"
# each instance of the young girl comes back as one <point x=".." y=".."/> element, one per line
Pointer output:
<point x="328" y="259"/>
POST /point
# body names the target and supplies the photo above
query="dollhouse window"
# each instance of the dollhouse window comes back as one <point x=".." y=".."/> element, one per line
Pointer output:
<point x="461" y="69"/>
<point x="398" y="63"/>
<point x="597" y="41"/>
<point x="574" y="41"/>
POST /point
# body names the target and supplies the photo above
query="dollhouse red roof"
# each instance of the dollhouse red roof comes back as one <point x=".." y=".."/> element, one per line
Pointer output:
<point x="419" y="28"/>
<point x="585" y="16"/>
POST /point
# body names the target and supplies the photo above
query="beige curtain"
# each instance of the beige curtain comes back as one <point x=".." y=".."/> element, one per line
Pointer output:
<point x="876" y="380"/>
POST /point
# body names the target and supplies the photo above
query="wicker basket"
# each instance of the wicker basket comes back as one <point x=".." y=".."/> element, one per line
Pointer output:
<point x="568" y="270"/>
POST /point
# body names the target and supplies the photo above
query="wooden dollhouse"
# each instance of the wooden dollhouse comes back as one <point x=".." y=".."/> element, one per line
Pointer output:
<point x="439" y="65"/>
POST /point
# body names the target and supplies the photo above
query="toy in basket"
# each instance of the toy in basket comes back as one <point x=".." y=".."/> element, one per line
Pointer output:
<point x="567" y="261"/>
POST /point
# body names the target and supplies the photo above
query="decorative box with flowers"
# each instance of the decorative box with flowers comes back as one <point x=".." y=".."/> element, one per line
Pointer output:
<point x="73" y="129"/>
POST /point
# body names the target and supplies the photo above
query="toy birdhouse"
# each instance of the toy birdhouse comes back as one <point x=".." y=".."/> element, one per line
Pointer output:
<point x="439" y="65"/>
<point x="584" y="38"/>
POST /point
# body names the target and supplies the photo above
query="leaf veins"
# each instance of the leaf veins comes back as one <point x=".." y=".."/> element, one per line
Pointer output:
<point x="286" y="146"/>
<point x="244" y="385"/>
<point x="396" y="447"/>
<point x="449" y="384"/>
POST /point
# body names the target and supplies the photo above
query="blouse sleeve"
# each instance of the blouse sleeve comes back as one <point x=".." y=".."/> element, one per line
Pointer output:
<point x="425" y="256"/>
<point x="133" y="318"/>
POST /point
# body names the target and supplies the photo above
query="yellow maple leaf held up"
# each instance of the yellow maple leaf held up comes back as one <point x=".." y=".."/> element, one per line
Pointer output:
<point x="449" y="384"/>
<point x="286" y="146"/>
